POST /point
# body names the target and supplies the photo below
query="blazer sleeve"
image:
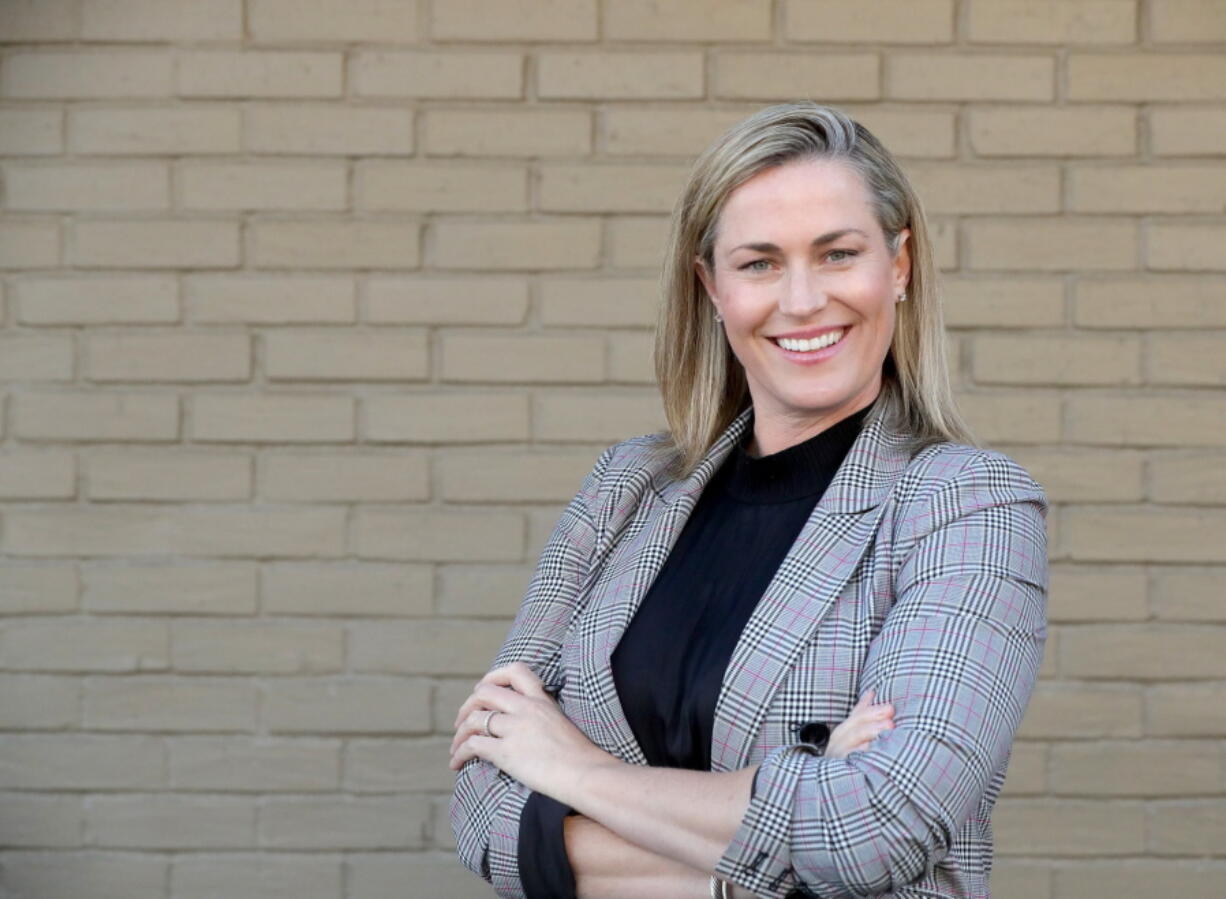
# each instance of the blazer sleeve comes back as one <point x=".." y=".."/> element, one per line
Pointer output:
<point x="957" y="655"/>
<point x="486" y="803"/>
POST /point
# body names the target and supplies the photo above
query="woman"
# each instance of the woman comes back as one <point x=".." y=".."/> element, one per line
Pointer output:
<point x="815" y="530"/>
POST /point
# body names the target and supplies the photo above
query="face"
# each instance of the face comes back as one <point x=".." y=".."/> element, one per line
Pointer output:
<point x="807" y="287"/>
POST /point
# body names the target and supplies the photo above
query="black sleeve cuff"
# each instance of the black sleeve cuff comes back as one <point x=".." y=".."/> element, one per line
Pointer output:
<point x="544" y="867"/>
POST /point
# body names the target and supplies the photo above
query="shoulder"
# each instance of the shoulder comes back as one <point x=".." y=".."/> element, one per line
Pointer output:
<point x="948" y="473"/>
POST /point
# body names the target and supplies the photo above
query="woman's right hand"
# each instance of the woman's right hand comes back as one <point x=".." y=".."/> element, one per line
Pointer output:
<point x="862" y="726"/>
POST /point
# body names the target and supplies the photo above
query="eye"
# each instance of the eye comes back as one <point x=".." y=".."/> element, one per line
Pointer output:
<point x="843" y="255"/>
<point x="748" y="266"/>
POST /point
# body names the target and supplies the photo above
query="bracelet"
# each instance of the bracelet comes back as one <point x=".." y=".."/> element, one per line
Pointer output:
<point x="719" y="888"/>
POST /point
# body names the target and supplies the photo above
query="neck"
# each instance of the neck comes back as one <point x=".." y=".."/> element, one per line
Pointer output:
<point x="771" y="437"/>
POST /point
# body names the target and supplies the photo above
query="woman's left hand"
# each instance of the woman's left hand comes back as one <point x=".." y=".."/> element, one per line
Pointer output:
<point x="533" y="740"/>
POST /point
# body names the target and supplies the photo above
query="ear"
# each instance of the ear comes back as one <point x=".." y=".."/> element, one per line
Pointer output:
<point x="707" y="279"/>
<point x="902" y="260"/>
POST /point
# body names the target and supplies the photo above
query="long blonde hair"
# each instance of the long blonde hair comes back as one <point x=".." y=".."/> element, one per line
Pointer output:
<point x="701" y="381"/>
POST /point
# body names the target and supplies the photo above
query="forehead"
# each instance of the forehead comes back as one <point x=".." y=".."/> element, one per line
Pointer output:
<point x="815" y="195"/>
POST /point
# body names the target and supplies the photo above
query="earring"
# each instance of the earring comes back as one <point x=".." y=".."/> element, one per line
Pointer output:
<point x="902" y="297"/>
<point x="718" y="317"/>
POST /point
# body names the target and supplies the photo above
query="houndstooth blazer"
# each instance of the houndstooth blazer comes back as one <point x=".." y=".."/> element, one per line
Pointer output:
<point x="923" y="577"/>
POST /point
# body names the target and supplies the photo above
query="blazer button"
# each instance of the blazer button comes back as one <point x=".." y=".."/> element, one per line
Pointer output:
<point x="815" y="732"/>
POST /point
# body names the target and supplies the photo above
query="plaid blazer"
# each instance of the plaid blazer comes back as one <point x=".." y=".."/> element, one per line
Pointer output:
<point x="923" y="577"/>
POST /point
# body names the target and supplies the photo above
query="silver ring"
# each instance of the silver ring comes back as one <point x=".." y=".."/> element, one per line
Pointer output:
<point x="485" y="728"/>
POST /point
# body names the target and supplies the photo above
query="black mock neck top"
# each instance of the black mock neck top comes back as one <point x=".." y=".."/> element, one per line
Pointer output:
<point x="669" y="664"/>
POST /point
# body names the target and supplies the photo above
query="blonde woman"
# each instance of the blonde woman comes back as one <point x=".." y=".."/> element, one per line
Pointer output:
<point x="816" y="539"/>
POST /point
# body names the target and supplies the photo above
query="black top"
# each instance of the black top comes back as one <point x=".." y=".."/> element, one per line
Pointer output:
<point x="669" y="665"/>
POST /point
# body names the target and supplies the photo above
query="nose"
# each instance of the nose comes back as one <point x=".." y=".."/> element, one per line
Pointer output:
<point x="803" y="293"/>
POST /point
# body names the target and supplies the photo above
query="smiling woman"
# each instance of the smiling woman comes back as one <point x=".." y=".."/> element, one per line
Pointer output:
<point x="781" y="648"/>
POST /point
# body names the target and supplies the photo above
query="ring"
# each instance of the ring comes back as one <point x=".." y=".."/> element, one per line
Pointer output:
<point x="485" y="728"/>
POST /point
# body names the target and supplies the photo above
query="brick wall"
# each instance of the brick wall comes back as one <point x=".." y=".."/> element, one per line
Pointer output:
<point x="316" y="311"/>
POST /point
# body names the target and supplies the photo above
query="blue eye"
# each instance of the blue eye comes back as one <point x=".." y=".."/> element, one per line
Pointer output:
<point x="846" y="254"/>
<point x="749" y="265"/>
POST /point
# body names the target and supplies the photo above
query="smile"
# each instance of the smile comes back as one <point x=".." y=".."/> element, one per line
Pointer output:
<point x="813" y="344"/>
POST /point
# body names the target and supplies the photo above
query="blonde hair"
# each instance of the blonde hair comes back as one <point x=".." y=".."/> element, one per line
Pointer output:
<point x="701" y="381"/>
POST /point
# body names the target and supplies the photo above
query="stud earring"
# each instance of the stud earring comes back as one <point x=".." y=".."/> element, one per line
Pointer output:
<point x="718" y="317"/>
<point x="902" y="297"/>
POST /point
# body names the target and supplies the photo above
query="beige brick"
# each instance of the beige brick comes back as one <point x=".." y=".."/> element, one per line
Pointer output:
<point x="279" y="417"/>
<point x="1186" y="247"/>
<point x="1146" y="77"/>
<point x="96" y="416"/>
<point x="602" y="302"/>
<point x="60" y="187"/>
<point x="1187" y="420"/>
<point x="447" y="74"/>
<point x="1047" y="243"/>
<point x="254" y="531"/>
<point x="256" y="647"/>
<point x="348" y="590"/>
<point x="917" y="132"/>
<point x="171" y="822"/>
<point x="522" y="358"/>
<point x="43" y="821"/>
<point x="1068" y="827"/>
<point x="507" y="477"/>
<point x="30" y="132"/>
<point x="519" y="132"/>
<point x="353" y="244"/>
<point x="1085" y="476"/>
<point x="969" y="76"/>
<point x="1052" y="21"/>
<point x="441" y="187"/>
<point x="1182" y="768"/>
<point x="743" y="75"/>
<point x="609" y="188"/>
<point x="40" y="702"/>
<point x="269" y="299"/>
<point x="29" y="244"/>
<point x="515" y="20"/>
<point x="630" y="358"/>
<point x="346" y="355"/>
<point x="258" y="765"/>
<point x="76" y="761"/>
<point x="99" y="875"/>
<point x="438" y="874"/>
<point x="1187" y="21"/>
<point x="159" y="20"/>
<point x="949" y="188"/>
<point x="1066" y="131"/>
<point x="449" y="695"/>
<point x="327" y="129"/>
<point x="213" y="589"/>
<point x="352" y="705"/>
<point x="482" y="591"/>
<point x="1190" y="594"/>
<point x="1150" y="301"/>
<point x="40" y="20"/>
<point x="1192" y="828"/>
<point x="680" y="131"/>
<point x="1196" y="480"/>
<point x="525" y="245"/>
<point x="343" y="822"/>
<point x="171" y="356"/>
<point x="1186" y="710"/>
<point x="1003" y="303"/>
<point x="1156" y="652"/>
<point x="1027" y="769"/>
<point x="155" y="243"/>
<point x="124" y="130"/>
<point x="420" y="300"/>
<point x="262" y="875"/>
<point x="438" y="417"/>
<point x="36" y="357"/>
<point x="155" y="703"/>
<point x="351" y="477"/>
<point x="1057" y="360"/>
<point x="690" y="20"/>
<point x="620" y="75"/>
<point x="869" y="21"/>
<point x="1023" y="418"/>
<point x="1187" y="131"/>
<point x="168" y="476"/>
<point x="1064" y="711"/>
<point x="84" y="644"/>
<point x="96" y="300"/>
<point x="258" y="74"/>
<point x="85" y="74"/>
<point x="281" y="185"/>
<point x="1132" y="533"/>
<point x="637" y="241"/>
<point x="1084" y="593"/>
<point x="601" y="417"/>
<point x="384" y="766"/>
<point x="1148" y="189"/>
<point x="1018" y="879"/>
<point x="83" y="530"/>
<point x="426" y="647"/>
<point x="1140" y="879"/>
<point x="427" y="535"/>
<point x="380" y="21"/>
<point x="37" y="588"/>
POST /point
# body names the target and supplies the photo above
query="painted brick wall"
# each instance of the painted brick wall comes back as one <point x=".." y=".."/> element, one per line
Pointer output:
<point x="314" y="313"/>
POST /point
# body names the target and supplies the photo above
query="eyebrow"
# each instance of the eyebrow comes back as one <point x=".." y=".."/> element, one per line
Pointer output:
<point x="828" y="237"/>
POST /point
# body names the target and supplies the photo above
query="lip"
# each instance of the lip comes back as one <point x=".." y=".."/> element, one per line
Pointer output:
<point x="808" y="333"/>
<point x="814" y="357"/>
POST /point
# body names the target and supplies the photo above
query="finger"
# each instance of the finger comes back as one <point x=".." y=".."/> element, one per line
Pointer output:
<point x="864" y="701"/>
<point x="474" y="725"/>
<point x="476" y="746"/>
<point x="518" y="676"/>
<point x="486" y="696"/>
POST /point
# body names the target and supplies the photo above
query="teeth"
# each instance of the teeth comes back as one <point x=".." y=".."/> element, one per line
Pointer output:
<point x="806" y="346"/>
